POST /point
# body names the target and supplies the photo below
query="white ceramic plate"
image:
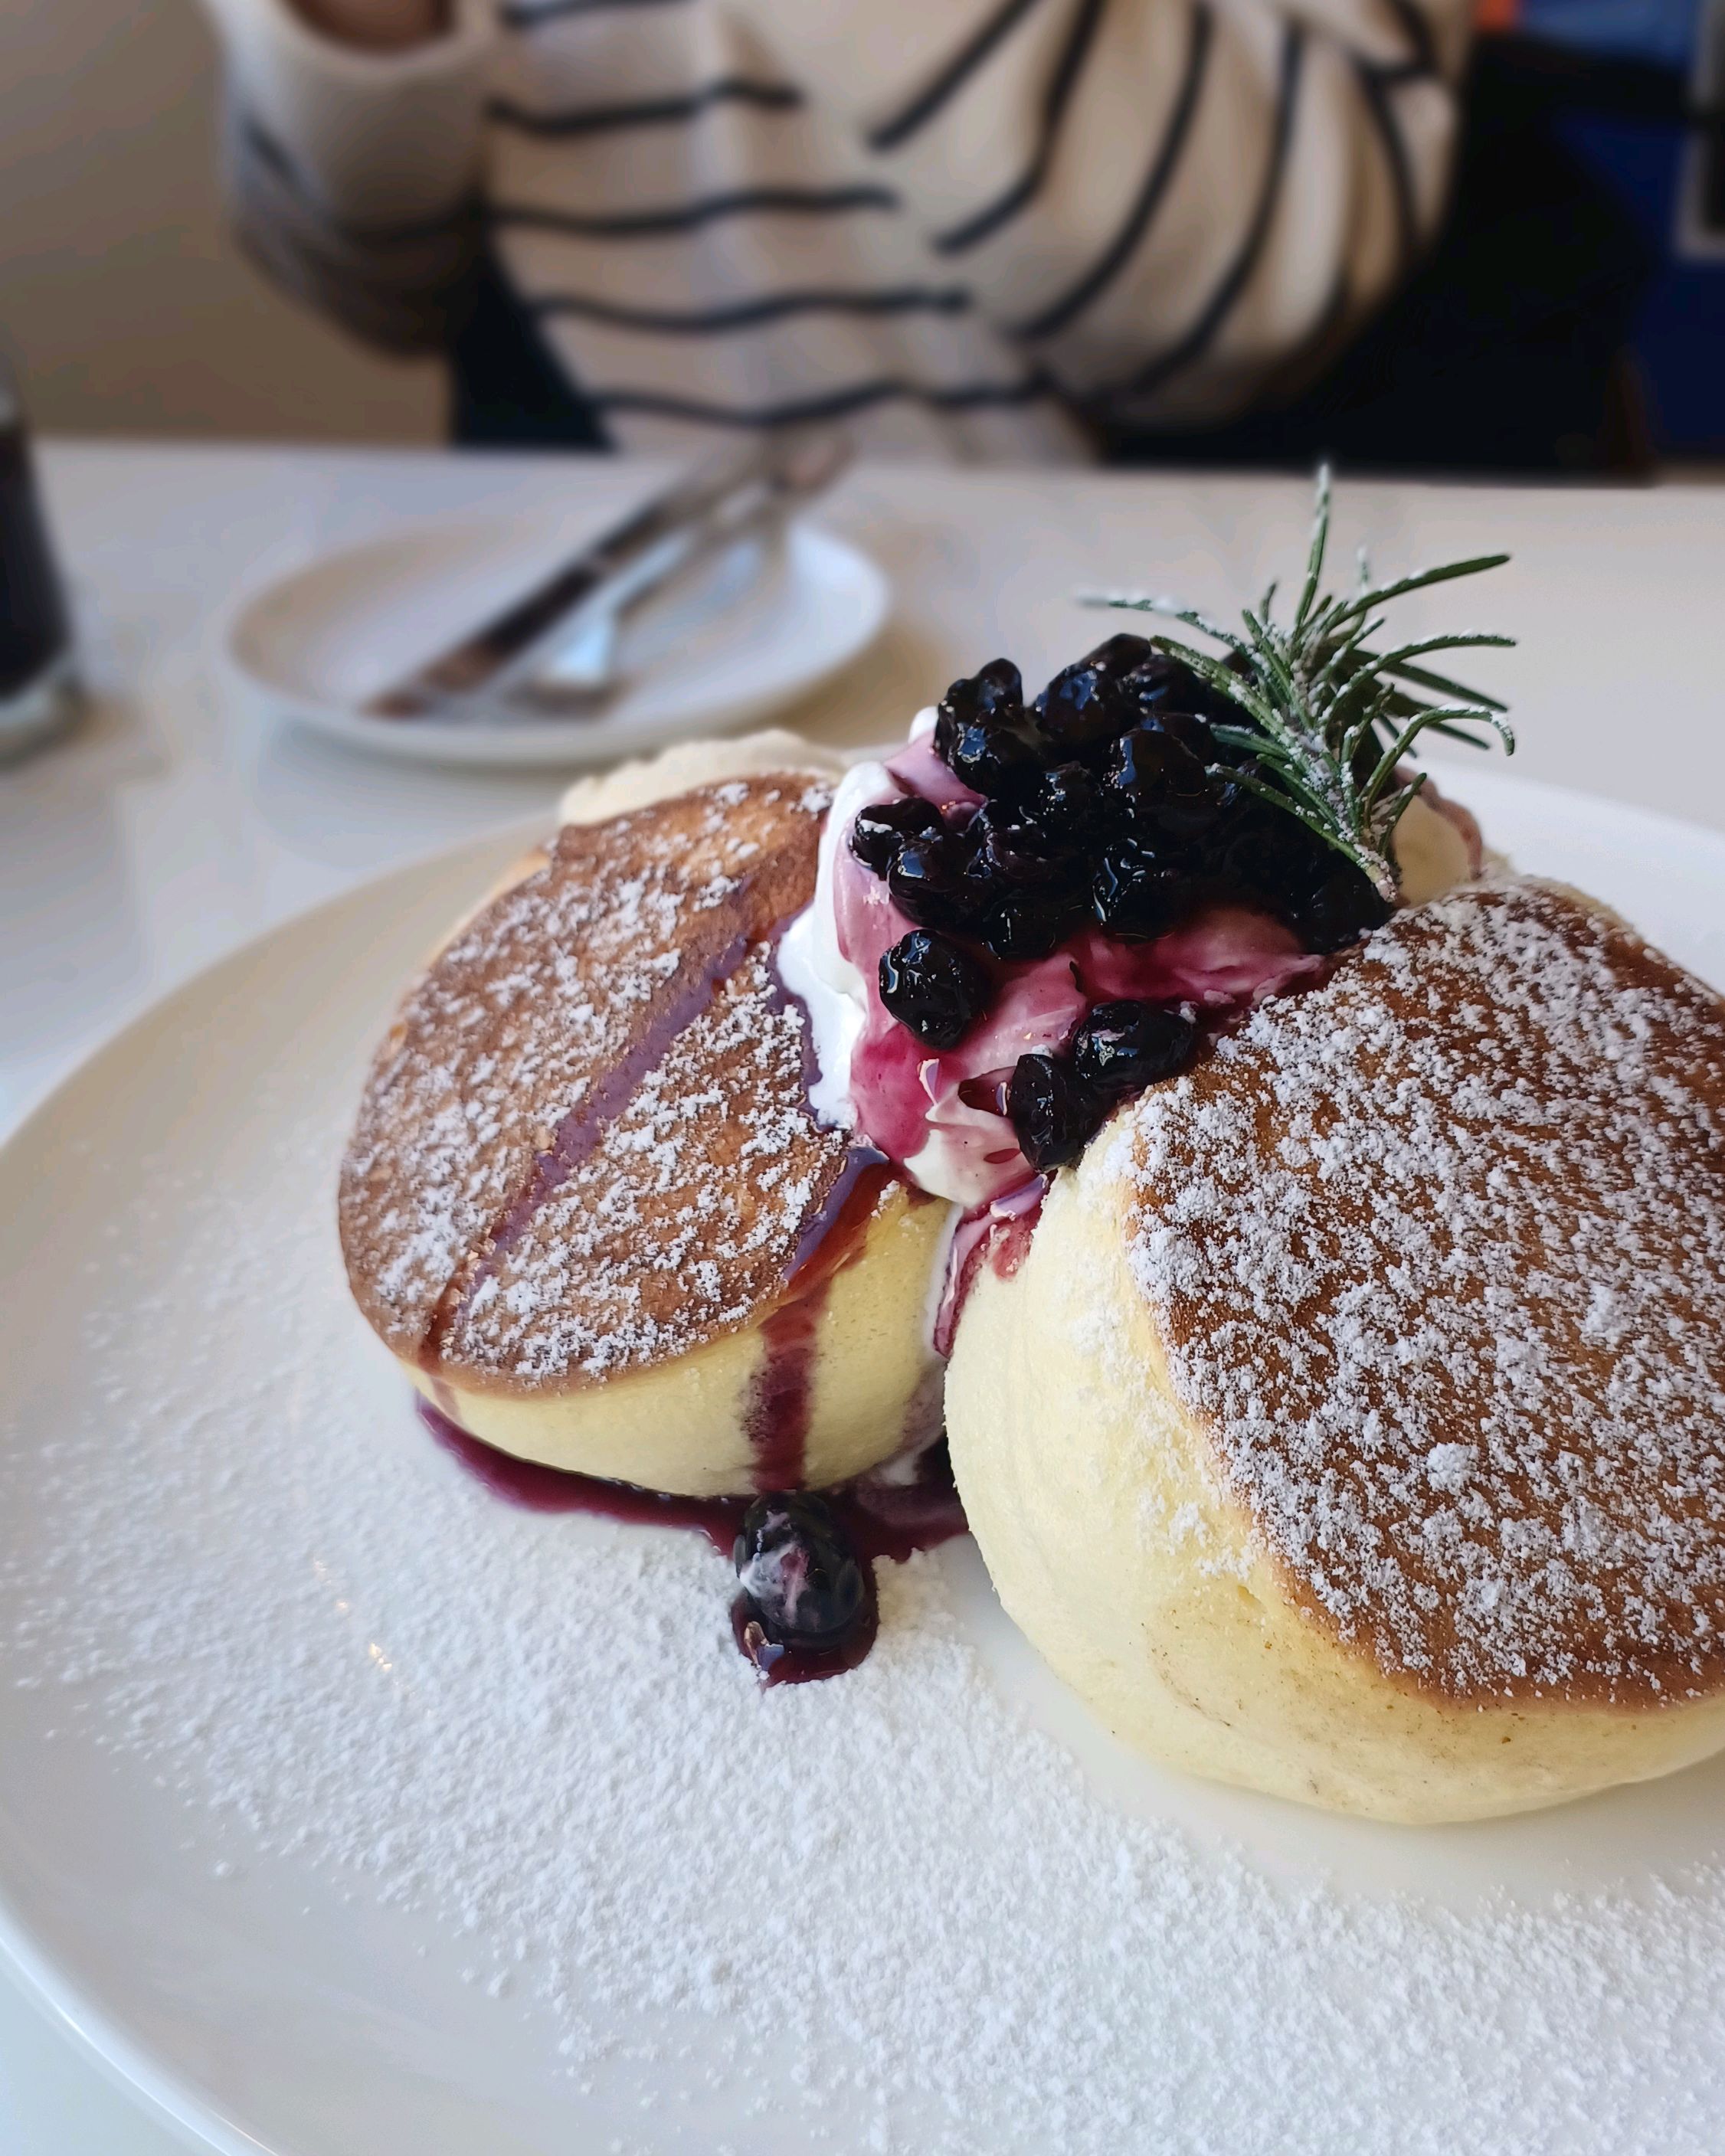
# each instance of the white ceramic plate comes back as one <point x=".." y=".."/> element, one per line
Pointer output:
<point x="247" y="1613"/>
<point x="741" y="643"/>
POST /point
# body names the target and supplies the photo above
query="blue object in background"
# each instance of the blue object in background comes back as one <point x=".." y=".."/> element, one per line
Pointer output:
<point x="1645" y="109"/>
<point x="1662" y="32"/>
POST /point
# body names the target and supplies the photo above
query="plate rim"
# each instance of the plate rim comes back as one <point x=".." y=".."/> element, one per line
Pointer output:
<point x="168" y="2093"/>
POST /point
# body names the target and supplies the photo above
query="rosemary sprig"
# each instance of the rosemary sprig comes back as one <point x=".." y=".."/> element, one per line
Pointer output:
<point x="1328" y="717"/>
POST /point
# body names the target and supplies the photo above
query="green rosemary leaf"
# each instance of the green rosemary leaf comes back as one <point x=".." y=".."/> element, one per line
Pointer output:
<point x="1317" y="701"/>
<point x="1423" y="580"/>
<point x="1423" y="678"/>
<point x="1315" y="553"/>
<point x="1172" y="609"/>
<point x="1459" y="734"/>
<point x="1369" y="863"/>
<point x="1398" y="746"/>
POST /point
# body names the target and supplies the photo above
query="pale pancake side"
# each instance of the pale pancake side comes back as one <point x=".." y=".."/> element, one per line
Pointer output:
<point x="585" y="1145"/>
<point x="1436" y="1254"/>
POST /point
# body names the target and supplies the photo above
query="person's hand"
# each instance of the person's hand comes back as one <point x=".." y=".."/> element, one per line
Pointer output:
<point x="379" y="25"/>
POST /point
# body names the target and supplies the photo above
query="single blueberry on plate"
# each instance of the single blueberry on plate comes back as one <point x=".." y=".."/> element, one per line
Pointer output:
<point x="933" y="987"/>
<point x="799" y="1575"/>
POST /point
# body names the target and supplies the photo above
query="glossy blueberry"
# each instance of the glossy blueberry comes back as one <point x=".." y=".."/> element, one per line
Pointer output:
<point x="993" y="691"/>
<point x="994" y="757"/>
<point x="1065" y="805"/>
<point x="798" y="1571"/>
<point x="1082" y="712"/>
<point x="1344" y="907"/>
<point x="1121" y="1047"/>
<point x="929" y="885"/>
<point x="933" y="987"/>
<point x="1029" y="924"/>
<point x="1120" y="655"/>
<point x="1137" y="896"/>
<point x="882" y="827"/>
<point x="1009" y="851"/>
<point x="982" y="734"/>
<point x="1161" y="786"/>
<point x="1053" y="1114"/>
<point x="1161" y="683"/>
<point x="1085" y="706"/>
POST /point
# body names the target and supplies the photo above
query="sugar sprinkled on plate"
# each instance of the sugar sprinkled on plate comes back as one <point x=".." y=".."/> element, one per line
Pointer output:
<point x="886" y="1909"/>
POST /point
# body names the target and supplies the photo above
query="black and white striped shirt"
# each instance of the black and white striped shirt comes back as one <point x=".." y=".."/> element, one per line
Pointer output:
<point x="968" y="225"/>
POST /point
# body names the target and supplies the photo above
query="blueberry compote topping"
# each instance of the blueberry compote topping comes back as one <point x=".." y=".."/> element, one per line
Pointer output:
<point x="1107" y="805"/>
<point x="984" y="736"/>
<point x="933" y="986"/>
<point x="1054" y="1113"/>
<point x="1122" y="1047"/>
<point x="882" y="829"/>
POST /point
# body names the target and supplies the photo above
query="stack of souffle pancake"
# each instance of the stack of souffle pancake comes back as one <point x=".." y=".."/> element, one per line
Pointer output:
<point x="1353" y="1428"/>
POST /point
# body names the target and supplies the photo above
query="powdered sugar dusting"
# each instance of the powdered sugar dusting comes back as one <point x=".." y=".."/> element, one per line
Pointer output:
<point x="879" y="1914"/>
<point x="1439" y="1253"/>
<point x="585" y="1144"/>
<point x="646" y="1248"/>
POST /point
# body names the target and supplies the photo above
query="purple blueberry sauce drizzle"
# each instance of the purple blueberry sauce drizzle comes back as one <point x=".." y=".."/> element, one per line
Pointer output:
<point x="861" y="1523"/>
<point x="782" y="1393"/>
<point x="580" y="1131"/>
<point x="1092" y="873"/>
<point x="799" y="1661"/>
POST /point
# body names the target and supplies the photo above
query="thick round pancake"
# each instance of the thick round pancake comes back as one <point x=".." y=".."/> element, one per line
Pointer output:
<point x="584" y="1176"/>
<point x="1356" y="1426"/>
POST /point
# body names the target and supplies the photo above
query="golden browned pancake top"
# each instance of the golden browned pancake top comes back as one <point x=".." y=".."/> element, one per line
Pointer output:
<point x="586" y="1146"/>
<point x="1438" y="1251"/>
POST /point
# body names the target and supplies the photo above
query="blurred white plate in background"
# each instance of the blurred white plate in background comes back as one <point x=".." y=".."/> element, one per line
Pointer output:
<point x="744" y="641"/>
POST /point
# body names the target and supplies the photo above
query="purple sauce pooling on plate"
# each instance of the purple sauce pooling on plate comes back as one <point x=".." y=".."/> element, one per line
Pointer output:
<point x="798" y="1664"/>
<point x="882" y="1519"/>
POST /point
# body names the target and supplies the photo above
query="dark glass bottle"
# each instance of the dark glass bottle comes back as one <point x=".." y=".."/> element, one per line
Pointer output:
<point x="38" y="681"/>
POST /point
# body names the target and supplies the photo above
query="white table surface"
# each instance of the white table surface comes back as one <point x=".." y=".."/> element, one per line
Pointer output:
<point x="170" y="830"/>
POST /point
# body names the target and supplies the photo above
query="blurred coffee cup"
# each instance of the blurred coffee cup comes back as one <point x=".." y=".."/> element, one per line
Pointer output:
<point x="39" y="679"/>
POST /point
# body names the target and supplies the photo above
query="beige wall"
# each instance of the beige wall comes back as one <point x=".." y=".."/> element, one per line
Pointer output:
<point x="121" y="295"/>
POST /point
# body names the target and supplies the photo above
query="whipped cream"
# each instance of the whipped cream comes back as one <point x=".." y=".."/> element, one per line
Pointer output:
<point x="875" y="1077"/>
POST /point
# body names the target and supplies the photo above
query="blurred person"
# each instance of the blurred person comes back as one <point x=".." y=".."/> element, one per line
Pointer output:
<point x="1026" y="229"/>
